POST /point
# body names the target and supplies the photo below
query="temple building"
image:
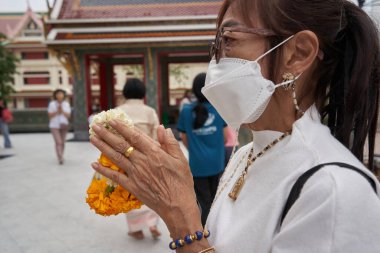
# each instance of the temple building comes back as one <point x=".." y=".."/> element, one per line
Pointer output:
<point x="38" y="70"/>
<point x="148" y="39"/>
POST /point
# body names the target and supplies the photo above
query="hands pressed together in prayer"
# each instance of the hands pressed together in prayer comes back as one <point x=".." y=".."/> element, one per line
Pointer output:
<point x="157" y="173"/>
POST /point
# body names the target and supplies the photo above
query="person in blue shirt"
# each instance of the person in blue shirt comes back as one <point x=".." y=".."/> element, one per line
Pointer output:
<point x="203" y="133"/>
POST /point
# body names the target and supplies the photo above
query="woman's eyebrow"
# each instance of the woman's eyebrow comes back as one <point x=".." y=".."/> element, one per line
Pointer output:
<point x="229" y="23"/>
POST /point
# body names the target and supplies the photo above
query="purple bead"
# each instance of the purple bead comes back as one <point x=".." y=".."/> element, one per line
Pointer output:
<point x="199" y="235"/>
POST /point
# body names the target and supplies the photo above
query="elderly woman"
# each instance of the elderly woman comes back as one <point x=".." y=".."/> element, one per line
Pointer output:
<point x="280" y="68"/>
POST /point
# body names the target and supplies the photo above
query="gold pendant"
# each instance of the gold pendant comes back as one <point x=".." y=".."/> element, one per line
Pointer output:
<point x="234" y="193"/>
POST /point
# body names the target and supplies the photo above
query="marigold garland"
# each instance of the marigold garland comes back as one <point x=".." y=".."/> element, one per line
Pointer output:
<point x="103" y="195"/>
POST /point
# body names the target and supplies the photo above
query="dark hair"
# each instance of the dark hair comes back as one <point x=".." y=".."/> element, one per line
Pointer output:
<point x="200" y="110"/>
<point x="347" y="87"/>
<point x="134" y="89"/>
<point x="59" y="91"/>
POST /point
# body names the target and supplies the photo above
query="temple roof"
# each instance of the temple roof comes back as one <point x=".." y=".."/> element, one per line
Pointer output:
<point x="11" y="24"/>
<point x="8" y="22"/>
<point x="111" y="9"/>
<point x="100" y="22"/>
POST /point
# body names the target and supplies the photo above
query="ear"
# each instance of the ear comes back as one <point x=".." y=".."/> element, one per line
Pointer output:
<point x="300" y="52"/>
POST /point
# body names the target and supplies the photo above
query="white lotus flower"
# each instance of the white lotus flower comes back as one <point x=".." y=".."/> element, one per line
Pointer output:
<point x="103" y="118"/>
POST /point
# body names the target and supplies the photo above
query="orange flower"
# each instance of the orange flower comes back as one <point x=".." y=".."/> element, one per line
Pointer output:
<point x="103" y="160"/>
<point x="106" y="198"/>
<point x="124" y="200"/>
<point x="96" y="198"/>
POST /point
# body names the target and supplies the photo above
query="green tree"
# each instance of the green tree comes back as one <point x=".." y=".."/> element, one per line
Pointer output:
<point x="8" y="63"/>
<point x="135" y="70"/>
<point x="179" y="73"/>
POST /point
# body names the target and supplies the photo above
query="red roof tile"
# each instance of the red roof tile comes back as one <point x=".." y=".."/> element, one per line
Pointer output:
<point x="100" y="9"/>
<point x="9" y="23"/>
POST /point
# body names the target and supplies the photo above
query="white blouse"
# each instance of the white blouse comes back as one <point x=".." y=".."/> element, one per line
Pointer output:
<point x="337" y="211"/>
<point x="58" y="119"/>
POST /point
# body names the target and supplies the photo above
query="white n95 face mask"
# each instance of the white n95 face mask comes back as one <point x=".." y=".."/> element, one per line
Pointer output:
<point x="238" y="90"/>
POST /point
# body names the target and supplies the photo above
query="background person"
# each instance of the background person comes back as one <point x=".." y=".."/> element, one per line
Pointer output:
<point x="144" y="118"/>
<point x="202" y="132"/>
<point x="186" y="100"/>
<point x="59" y="112"/>
<point x="231" y="142"/>
<point x="4" y="125"/>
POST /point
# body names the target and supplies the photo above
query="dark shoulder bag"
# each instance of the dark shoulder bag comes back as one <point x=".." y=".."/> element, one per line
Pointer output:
<point x="298" y="185"/>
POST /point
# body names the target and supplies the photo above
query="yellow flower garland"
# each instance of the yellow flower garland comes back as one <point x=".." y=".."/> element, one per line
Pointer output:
<point x="103" y="195"/>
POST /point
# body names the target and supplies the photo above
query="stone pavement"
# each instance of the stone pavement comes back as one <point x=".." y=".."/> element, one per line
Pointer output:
<point x="43" y="208"/>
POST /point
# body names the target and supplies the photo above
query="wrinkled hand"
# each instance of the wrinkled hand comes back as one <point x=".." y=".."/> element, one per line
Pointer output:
<point x="156" y="173"/>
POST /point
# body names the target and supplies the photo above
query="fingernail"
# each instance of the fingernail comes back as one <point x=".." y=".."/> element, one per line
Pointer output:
<point x="113" y="123"/>
<point x="162" y="127"/>
<point x="169" y="132"/>
<point x="96" y="127"/>
<point x="95" y="165"/>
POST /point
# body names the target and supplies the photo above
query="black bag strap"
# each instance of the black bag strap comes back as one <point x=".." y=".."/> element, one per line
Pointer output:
<point x="298" y="185"/>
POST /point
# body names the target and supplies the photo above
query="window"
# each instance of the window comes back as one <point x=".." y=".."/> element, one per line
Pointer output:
<point x="34" y="55"/>
<point x="94" y="79"/>
<point x="36" y="102"/>
<point x="60" y="77"/>
<point x="36" y="78"/>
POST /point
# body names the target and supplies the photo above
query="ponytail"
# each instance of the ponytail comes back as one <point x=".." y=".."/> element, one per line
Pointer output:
<point x="353" y="97"/>
<point x="201" y="115"/>
<point x="200" y="110"/>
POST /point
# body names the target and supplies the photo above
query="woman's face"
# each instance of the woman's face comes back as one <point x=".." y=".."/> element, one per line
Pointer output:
<point x="246" y="46"/>
<point x="60" y="96"/>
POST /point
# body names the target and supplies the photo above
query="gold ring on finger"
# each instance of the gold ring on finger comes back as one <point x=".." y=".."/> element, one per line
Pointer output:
<point x="129" y="151"/>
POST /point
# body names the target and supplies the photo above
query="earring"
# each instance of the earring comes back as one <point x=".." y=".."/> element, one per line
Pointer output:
<point x="290" y="77"/>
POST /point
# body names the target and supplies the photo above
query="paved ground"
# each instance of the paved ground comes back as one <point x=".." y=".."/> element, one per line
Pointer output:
<point x="43" y="209"/>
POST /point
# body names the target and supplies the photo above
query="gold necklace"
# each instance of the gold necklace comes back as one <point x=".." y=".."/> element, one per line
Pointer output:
<point x="234" y="193"/>
<point x="221" y="189"/>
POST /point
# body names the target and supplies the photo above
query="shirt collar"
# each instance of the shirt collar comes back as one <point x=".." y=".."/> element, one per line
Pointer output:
<point x="264" y="137"/>
<point x="134" y="101"/>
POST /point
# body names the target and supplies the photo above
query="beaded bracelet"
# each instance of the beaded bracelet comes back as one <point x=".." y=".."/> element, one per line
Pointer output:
<point x="188" y="239"/>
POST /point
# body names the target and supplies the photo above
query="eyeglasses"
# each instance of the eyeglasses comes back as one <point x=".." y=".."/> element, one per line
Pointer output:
<point x="215" y="46"/>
